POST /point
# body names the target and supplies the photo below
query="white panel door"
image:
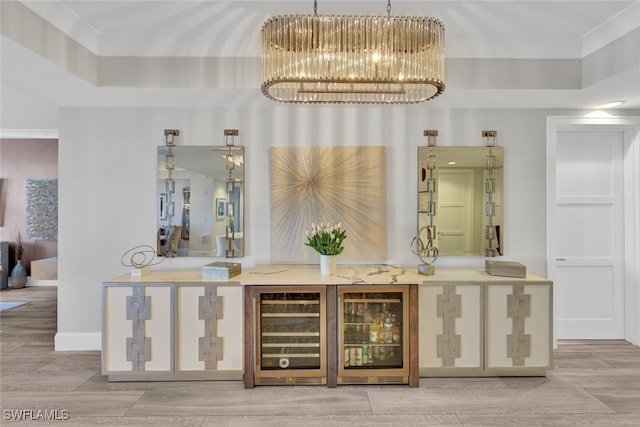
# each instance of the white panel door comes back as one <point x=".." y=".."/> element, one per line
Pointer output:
<point x="455" y="211"/>
<point x="586" y="245"/>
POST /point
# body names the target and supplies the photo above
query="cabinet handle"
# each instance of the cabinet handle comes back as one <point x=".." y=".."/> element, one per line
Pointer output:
<point x="561" y="259"/>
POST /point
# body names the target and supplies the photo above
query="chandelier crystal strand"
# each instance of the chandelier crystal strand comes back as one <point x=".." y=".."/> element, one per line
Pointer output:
<point x="352" y="59"/>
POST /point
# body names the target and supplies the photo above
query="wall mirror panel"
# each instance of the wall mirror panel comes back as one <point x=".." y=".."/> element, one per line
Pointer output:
<point x="200" y="201"/>
<point x="464" y="215"/>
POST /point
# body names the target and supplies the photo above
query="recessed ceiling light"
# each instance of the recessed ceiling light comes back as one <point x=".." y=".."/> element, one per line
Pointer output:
<point x="451" y="163"/>
<point x="611" y="104"/>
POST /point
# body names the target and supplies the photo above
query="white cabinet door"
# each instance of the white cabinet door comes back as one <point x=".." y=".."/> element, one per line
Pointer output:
<point x="169" y="331"/>
<point x="518" y="328"/>
<point x="209" y="331"/>
<point x="137" y="325"/>
<point x="451" y="329"/>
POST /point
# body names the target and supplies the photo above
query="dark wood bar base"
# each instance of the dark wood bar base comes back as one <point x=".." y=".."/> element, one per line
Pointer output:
<point x="331" y="370"/>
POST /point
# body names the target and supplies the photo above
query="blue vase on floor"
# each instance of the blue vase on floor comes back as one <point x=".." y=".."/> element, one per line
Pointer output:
<point x="18" y="276"/>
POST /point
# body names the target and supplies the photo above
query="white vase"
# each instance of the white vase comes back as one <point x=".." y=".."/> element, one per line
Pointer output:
<point x="328" y="264"/>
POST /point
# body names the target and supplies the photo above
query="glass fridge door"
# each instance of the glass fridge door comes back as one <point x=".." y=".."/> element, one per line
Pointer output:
<point x="372" y="328"/>
<point x="290" y="332"/>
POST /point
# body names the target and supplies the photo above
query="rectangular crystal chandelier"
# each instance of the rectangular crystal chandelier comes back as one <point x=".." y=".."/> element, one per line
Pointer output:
<point x="336" y="59"/>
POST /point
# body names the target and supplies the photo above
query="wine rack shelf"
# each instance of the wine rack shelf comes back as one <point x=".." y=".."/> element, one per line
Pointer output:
<point x="290" y="341"/>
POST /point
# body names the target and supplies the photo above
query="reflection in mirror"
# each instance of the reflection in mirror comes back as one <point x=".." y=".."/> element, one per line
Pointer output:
<point x="463" y="201"/>
<point x="200" y="200"/>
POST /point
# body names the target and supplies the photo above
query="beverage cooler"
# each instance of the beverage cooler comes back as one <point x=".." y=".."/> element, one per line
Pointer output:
<point x="373" y="334"/>
<point x="291" y="335"/>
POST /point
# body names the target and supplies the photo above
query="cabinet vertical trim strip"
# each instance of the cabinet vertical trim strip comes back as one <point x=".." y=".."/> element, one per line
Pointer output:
<point x="249" y="337"/>
<point x="138" y="345"/>
<point x="518" y="308"/>
<point x="414" y="345"/>
<point x="210" y="346"/>
<point x="449" y="309"/>
<point x="332" y="336"/>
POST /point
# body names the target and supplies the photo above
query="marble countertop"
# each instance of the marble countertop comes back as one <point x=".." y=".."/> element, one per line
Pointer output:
<point x="168" y="276"/>
<point x="348" y="274"/>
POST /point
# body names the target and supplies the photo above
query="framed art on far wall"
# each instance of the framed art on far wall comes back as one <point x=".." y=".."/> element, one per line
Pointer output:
<point x="220" y="209"/>
<point x="163" y="206"/>
<point x="41" y="219"/>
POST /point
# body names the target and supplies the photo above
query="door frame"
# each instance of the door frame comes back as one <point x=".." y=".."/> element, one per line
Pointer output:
<point x="469" y="208"/>
<point x="630" y="126"/>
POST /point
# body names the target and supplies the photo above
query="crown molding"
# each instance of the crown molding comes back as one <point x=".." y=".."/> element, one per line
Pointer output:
<point x="29" y="133"/>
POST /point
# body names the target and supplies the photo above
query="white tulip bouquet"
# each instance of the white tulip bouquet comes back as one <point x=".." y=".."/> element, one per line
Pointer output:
<point x="326" y="239"/>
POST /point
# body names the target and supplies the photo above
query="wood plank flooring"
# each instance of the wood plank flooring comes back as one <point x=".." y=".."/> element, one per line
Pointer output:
<point x="594" y="383"/>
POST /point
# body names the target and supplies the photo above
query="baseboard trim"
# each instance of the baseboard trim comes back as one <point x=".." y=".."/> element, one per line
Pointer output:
<point x="78" y="341"/>
<point x="42" y="282"/>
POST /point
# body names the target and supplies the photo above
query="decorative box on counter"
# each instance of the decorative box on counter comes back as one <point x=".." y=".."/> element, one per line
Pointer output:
<point x="221" y="270"/>
<point x="505" y="268"/>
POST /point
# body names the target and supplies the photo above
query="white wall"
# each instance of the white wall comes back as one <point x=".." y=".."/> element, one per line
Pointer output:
<point x="107" y="179"/>
<point x="24" y="111"/>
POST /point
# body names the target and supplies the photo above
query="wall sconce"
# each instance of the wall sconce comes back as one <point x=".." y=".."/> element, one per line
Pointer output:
<point x="427" y="194"/>
<point x="170" y="189"/>
<point x="229" y="140"/>
<point x="491" y="232"/>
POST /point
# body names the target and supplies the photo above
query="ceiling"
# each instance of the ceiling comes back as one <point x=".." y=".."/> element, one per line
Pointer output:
<point x="209" y="53"/>
<point x="203" y="160"/>
<point x="465" y="157"/>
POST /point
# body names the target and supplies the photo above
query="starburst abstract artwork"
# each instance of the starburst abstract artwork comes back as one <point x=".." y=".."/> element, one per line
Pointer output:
<point x="328" y="184"/>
